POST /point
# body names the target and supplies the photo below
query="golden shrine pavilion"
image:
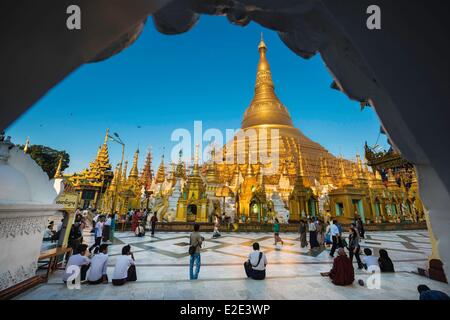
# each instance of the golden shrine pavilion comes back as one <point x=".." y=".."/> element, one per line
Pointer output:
<point x="307" y="182"/>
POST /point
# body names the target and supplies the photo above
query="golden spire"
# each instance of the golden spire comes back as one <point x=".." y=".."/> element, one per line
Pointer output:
<point x="27" y="145"/>
<point x="106" y="137"/>
<point x="195" y="169"/>
<point x="341" y="167"/>
<point x="265" y="107"/>
<point x="58" y="169"/>
<point x="359" y="167"/>
<point x="146" y="175"/>
<point x="211" y="171"/>
<point x="134" y="168"/>
<point x="324" y="175"/>
<point x="101" y="162"/>
<point x="161" y="175"/>
<point x="299" y="169"/>
<point x="249" y="170"/>
<point x="124" y="173"/>
<point x="343" y="180"/>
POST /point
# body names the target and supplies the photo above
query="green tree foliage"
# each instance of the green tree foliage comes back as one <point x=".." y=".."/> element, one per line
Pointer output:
<point x="48" y="158"/>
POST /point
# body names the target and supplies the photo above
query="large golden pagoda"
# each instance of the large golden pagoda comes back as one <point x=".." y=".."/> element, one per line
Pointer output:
<point x="265" y="113"/>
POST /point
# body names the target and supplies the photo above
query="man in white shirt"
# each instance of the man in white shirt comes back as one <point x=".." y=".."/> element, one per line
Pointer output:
<point x="99" y="263"/>
<point x="335" y="235"/>
<point x="48" y="234"/>
<point x="79" y="259"/>
<point x="125" y="269"/>
<point x="98" y="232"/>
<point x="255" y="267"/>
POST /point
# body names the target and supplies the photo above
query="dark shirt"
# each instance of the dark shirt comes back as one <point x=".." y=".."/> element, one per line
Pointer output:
<point x="433" y="295"/>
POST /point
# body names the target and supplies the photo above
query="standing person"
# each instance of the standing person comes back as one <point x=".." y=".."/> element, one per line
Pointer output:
<point x="140" y="230"/>
<point x="195" y="244"/>
<point x="320" y="233"/>
<point x="98" y="233"/>
<point x="303" y="229"/>
<point x="255" y="266"/>
<point x="125" y="269"/>
<point x="360" y="226"/>
<point x="107" y="229"/>
<point x="276" y="232"/>
<point x="95" y="219"/>
<point x="354" y="247"/>
<point x="79" y="259"/>
<point x="99" y="263"/>
<point x="328" y="234"/>
<point x="385" y="262"/>
<point x="113" y="225"/>
<point x="134" y="220"/>
<point x="341" y="240"/>
<point x="312" y="234"/>
<point x="335" y="237"/>
<point x="153" y="221"/>
<point x="216" y="232"/>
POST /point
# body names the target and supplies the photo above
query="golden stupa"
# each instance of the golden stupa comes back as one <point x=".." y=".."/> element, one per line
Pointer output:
<point x="265" y="113"/>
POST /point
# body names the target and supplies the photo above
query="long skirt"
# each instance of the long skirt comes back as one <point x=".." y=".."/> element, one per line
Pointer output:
<point x="106" y="233"/>
<point x="320" y="238"/>
<point x="303" y="241"/>
<point x="313" y="239"/>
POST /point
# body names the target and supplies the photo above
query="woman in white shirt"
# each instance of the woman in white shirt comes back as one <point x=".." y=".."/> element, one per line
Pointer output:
<point x="125" y="269"/>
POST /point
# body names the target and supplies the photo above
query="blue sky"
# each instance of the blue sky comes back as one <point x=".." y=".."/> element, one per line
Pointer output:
<point x="162" y="83"/>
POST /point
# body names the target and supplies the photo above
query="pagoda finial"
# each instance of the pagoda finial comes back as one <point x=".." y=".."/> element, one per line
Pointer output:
<point x="195" y="169"/>
<point x="58" y="169"/>
<point x="262" y="45"/>
<point x="124" y="173"/>
<point x="27" y="145"/>
<point x="106" y="136"/>
<point x="274" y="112"/>
<point x="134" y="168"/>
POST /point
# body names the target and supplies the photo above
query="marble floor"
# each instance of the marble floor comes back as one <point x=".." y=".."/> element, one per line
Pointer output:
<point x="292" y="273"/>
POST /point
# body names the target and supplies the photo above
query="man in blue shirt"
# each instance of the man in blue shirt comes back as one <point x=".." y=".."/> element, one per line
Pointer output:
<point x="427" y="294"/>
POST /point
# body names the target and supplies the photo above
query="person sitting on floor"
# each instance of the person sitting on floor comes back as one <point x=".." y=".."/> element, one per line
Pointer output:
<point x="385" y="262"/>
<point x="255" y="266"/>
<point x="342" y="273"/>
<point x="370" y="262"/>
<point x="140" y="230"/>
<point x="99" y="263"/>
<point x="49" y="233"/>
<point x="427" y="294"/>
<point x="79" y="259"/>
<point x="125" y="269"/>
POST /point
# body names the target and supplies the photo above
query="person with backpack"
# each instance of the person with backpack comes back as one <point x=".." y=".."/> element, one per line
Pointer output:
<point x="195" y="245"/>
<point x="255" y="266"/>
